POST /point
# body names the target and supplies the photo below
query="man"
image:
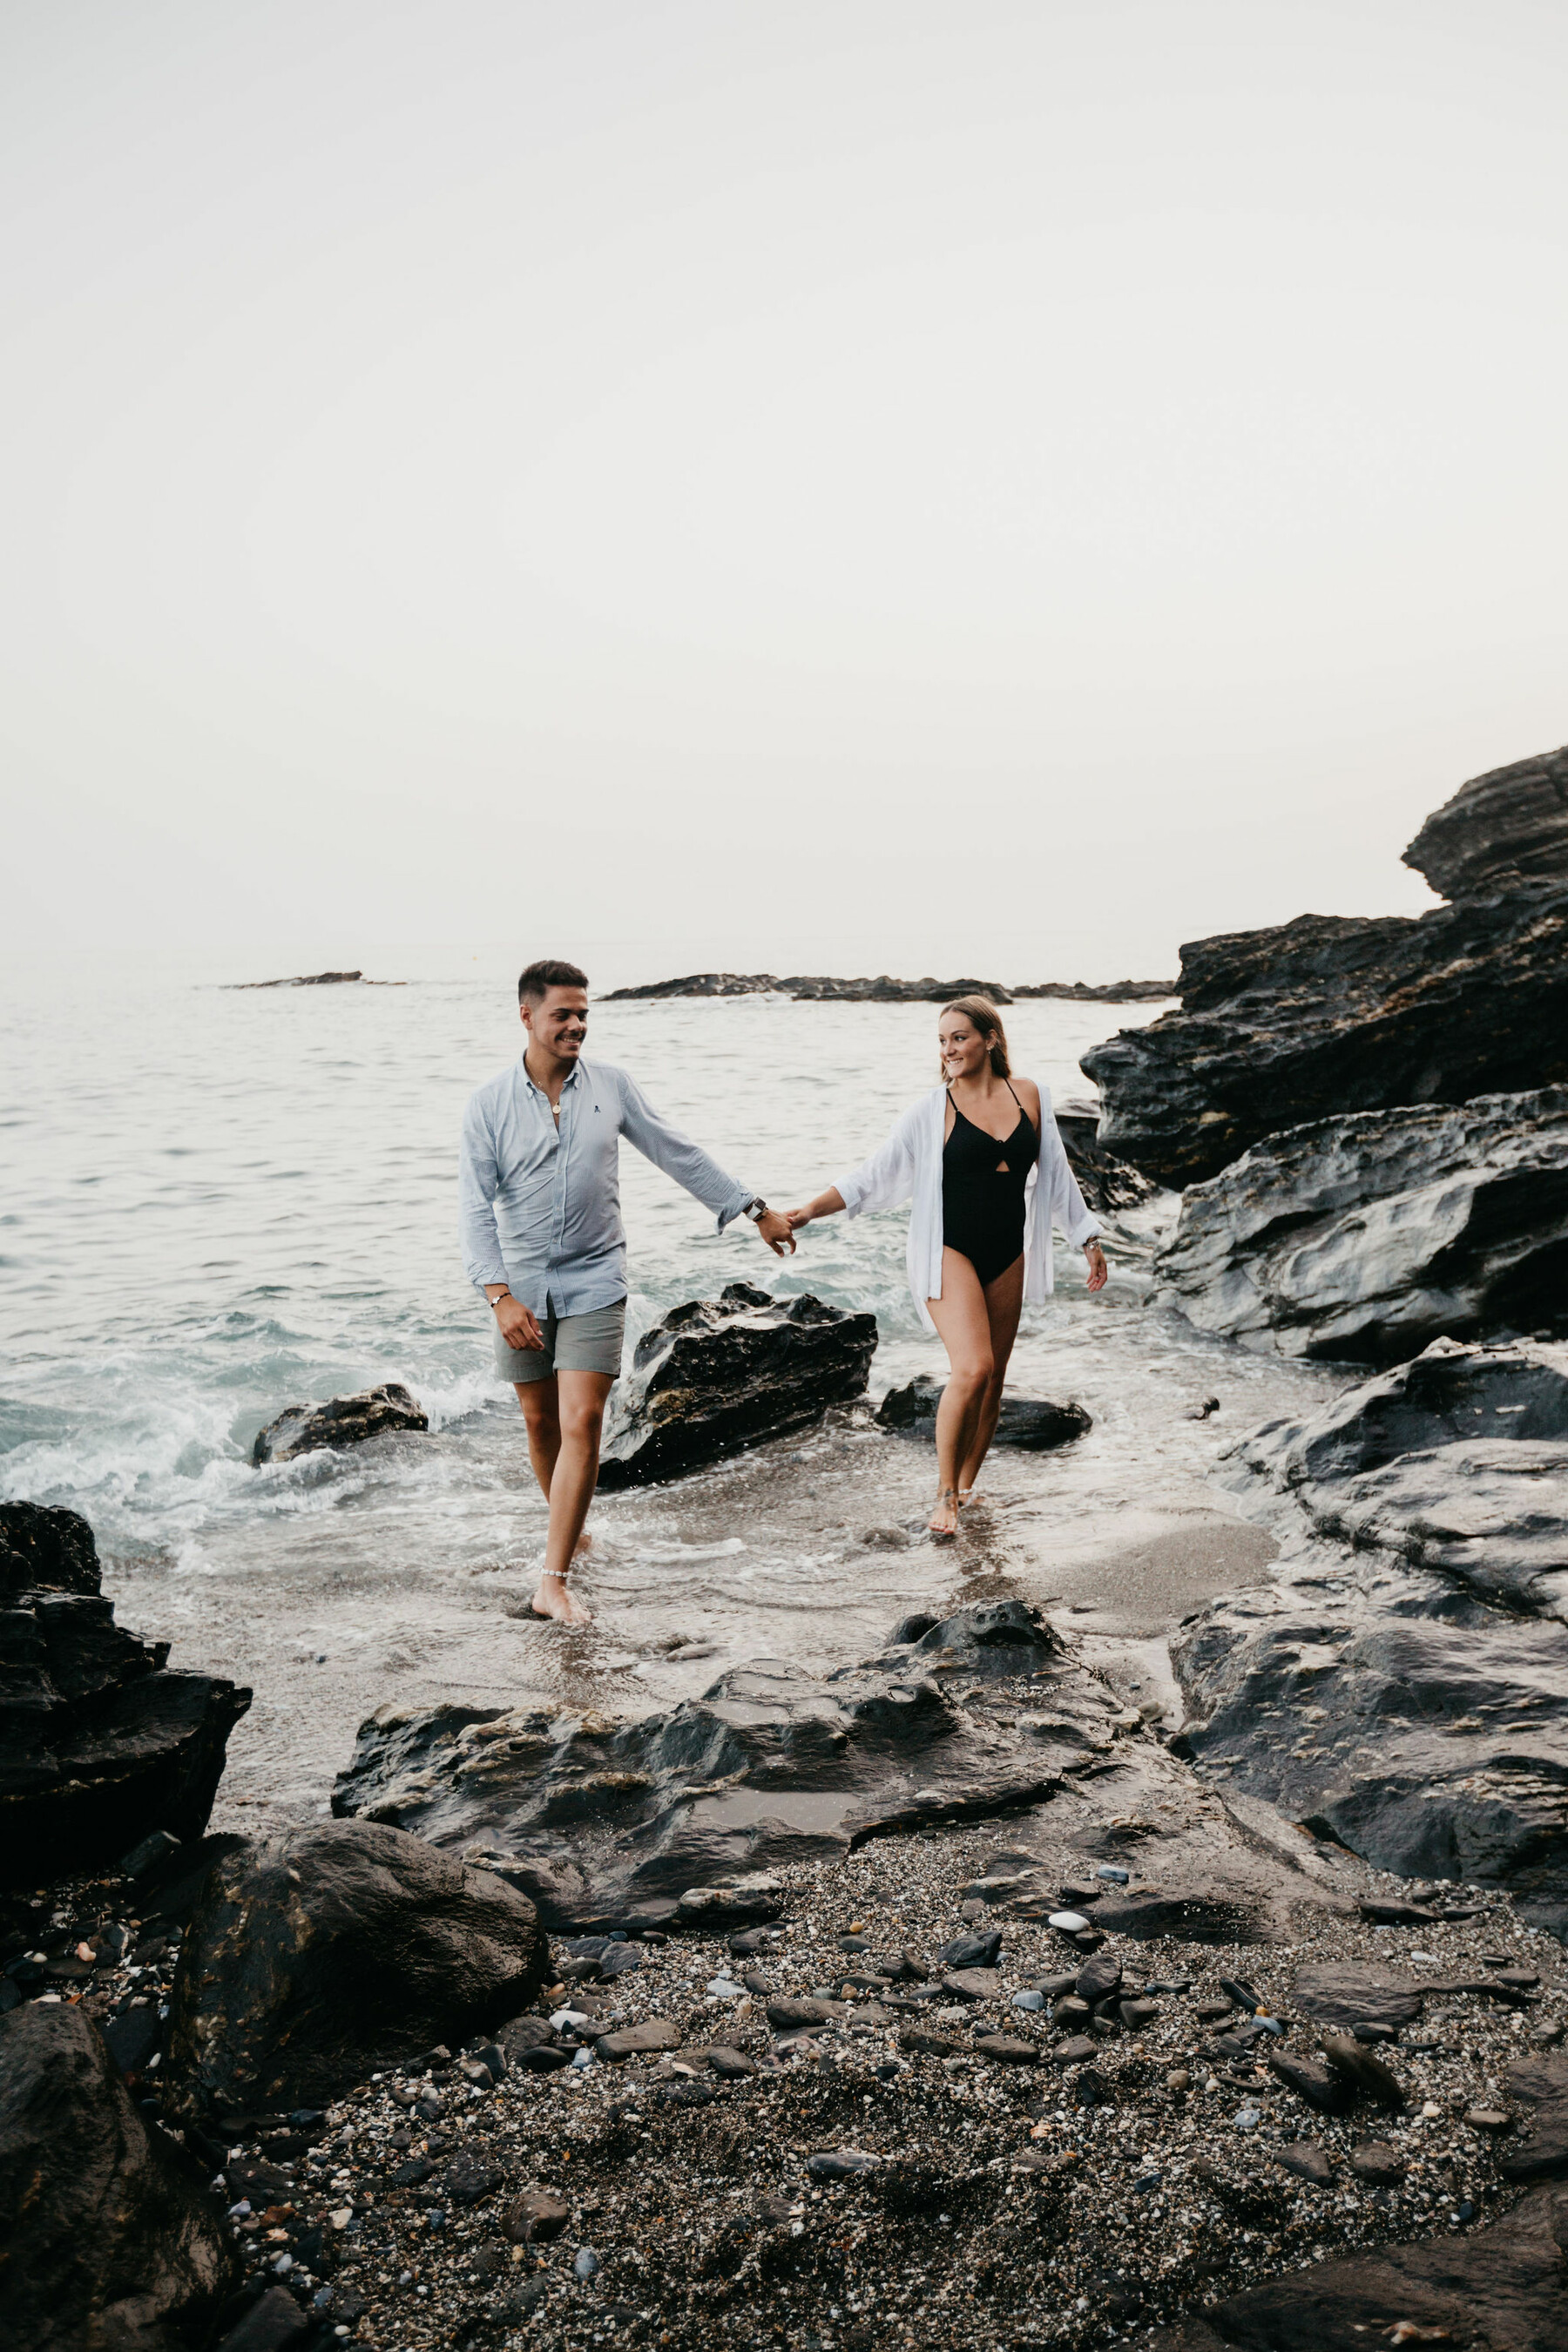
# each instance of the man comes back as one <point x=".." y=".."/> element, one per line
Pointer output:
<point x="543" y="1239"/>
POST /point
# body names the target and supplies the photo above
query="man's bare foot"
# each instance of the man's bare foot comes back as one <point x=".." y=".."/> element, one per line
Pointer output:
<point x="943" y="1521"/>
<point x="554" y="1600"/>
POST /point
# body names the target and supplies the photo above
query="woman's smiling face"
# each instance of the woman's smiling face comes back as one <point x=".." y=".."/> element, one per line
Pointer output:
<point x="964" y="1052"/>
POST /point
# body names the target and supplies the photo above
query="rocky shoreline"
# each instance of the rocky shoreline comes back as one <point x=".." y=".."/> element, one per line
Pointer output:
<point x="976" y="1990"/>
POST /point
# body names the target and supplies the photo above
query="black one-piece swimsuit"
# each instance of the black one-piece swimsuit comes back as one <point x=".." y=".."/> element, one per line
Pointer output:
<point x="983" y="1191"/>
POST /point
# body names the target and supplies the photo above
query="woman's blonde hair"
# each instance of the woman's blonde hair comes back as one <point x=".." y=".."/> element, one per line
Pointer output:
<point x="983" y="1015"/>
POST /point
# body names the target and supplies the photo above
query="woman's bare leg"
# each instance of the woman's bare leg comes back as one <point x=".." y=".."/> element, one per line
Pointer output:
<point x="964" y="1327"/>
<point x="1004" y="1305"/>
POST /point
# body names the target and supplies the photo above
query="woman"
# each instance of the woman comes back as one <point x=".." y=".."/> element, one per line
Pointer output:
<point x="980" y="1242"/>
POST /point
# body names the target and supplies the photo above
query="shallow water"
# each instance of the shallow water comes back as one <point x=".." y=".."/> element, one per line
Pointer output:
<point x="217" y="1202"/>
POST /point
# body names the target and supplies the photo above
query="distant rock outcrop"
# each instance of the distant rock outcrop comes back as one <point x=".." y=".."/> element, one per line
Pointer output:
<point x="342" y="1421"/>
<point x="719" y="1375"/>
<point x="817" y="988"/>
<point x="1498" y="831"/>
<point x="100" y="1743"/>
<point x="1362" y="1238"/>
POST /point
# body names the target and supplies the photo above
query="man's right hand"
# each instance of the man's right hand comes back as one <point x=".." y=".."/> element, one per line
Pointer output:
<point x="518" y="1327"/>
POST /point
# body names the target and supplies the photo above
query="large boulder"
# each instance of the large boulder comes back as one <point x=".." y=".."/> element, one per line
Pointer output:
<point x="597" y="1814"/>
<point x="1402" y="1683"/>
<point x="717" y="1376"/>
<point x="342" y="1421"/>
<point x="335" y="1952"/>
<point x="1034" y="1424"/>
<point x="100" y="1743"/>
<point x="1335" y="1013"/>
<point x="111" y="2240"/>
<point x="1501" y="829"/>
<point x="1363" y="1237"/>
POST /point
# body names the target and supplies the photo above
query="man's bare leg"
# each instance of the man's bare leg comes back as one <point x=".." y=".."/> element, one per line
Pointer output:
<point x="540" y="1409"/>
<point x="581" y="1398"/>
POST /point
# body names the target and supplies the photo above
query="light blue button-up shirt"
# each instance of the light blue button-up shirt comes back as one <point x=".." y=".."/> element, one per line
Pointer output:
<point x="541" y="1208"/>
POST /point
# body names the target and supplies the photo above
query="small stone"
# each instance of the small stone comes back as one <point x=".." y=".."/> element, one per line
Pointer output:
<point x="839" y="2163"/>
<point x="1069" y="1923"/>
<point x="1548" y="2033"/>
<point x="1210" y="2012"/>
<point x="1090" y="2088"/>
<point x="1008" y="2048"/>
<point x="638" y="2041"/>
<point x="1179" y="2079"/>
<point x="1307" y="2160"/>
<point x="535" y="2217"/>
<point x="1136" y="2014"/>
<point x="1488" y="2119"/>
<point x="972" y="1951"/>
<point x="1248" y="2118"/>
<point x="1358" y="2066"/>
<point x="786" y="2017"/>
<point x="1376" y="2162"/>
<point x="972" y="1984"/>
<point x="585" y="2263"/>
<point x="1076" y="2052"/>
<point x="1028" y="2000"/>
<point x="1109" y="1870"/>
<point x="1330" y="2092"/>
<point x="1071" y="2012"/>
<point x="1370" y="2030"/>
<point x="731" y="2064"/>
<point x="1099" y="1978"/>
<point x="725" y="1988"/>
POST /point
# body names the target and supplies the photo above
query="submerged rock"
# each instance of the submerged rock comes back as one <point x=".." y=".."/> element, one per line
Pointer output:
<point x="342" y="1421"/>
<point x="1501" y="829"/>
<point x="108" y="2233"/>
<point x="334" y="1952"/>
<point x="1031" y="1423"/>
<point x="99" y="1742"/>
<point x="717" y="1376"/>
<point x="1402" y="1685"/>
<point x="1366" y="1236"/>
<point x="1333" y="1014"/>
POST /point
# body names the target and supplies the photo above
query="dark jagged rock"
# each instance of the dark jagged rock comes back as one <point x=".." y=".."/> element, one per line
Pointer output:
<point x="1501" y="829"/>
<point x="303" y="979"/>
<point x="342" y="1421"/>
<point x="717" y="1376"/>
<point x="1367" y="1236"/>
<point x="1106" y="1182"/>
<point x="1505" y="2284"/>
<point x="336" y="1951"/>
<point x="1538" y="2084"/>
<point x="99" y="1741"/>
<point x="1402" y="1684"/>
<point x="1335" y="1013"/>
<point x="108" y="2233"/>
<point x="1031" y="1423"/>
<point x="1457" y="1463"/>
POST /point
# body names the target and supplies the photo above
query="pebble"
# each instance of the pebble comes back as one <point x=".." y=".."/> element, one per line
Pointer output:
<point x="1069" y="1923"/>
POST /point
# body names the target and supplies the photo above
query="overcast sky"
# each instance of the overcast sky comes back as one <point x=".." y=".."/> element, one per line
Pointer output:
<point x="853" y="486"/>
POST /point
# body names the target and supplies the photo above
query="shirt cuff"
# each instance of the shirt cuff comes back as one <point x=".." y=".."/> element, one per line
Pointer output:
<point x="849" y="1192"/>
<point x="1089" y="1232"/>
<point x="735" y="1204"/>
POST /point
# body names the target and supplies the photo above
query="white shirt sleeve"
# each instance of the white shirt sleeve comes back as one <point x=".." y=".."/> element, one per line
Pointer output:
<point x="888" y="1178"/>
<point x="1066" y="1203"/>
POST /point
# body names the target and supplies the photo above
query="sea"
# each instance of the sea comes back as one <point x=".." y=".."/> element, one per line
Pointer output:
<point x="217" y="1199"/>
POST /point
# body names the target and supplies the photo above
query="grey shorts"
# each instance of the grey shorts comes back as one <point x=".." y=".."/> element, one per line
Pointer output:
<point x="573" y="1343"/>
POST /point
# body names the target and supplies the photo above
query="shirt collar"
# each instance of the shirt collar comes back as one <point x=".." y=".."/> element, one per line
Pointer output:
<point x="570" y="1078"/>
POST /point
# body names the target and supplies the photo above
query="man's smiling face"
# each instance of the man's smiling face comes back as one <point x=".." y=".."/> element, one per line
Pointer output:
<point x="558" y="1024"/>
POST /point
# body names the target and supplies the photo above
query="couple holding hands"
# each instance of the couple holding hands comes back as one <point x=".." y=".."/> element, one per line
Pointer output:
<point x="543" y="1239"/>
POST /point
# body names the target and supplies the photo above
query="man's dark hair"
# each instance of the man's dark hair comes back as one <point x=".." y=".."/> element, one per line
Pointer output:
<point x="535" y="981"/>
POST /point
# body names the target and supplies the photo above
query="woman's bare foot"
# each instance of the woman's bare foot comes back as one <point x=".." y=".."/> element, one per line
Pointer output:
<point x="970" y="1495"/>
<point x="584" y="1543"/>
<point x="943" y="1521"/>
<point x="553" y="1600"/>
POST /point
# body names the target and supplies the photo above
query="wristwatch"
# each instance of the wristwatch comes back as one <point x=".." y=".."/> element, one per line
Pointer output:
<point x="756" y="1207"/>
<point x="496" y="1301"/>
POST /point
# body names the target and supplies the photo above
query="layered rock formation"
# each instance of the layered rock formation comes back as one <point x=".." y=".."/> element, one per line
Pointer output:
<point x="313" y="1961"/>
<point x="108" y="2236"/>
<point x="717" y="1376"/>
<point x="1501" y="829"/>
<point x="342" y="1421"/>
<point x="611" y="1820"/>
<point x="1365" y="1238"/>
<point x="1335" y="1013"/>
<point x="99" y="1742"/>
<point x="1402" y="1684"/>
